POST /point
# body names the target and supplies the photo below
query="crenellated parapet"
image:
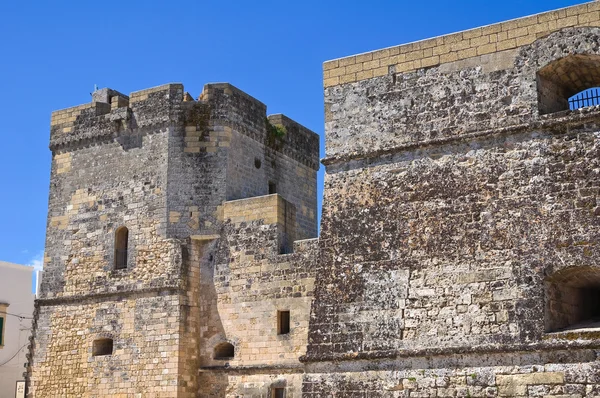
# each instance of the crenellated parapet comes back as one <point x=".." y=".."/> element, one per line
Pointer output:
<point x="112" y="115"/>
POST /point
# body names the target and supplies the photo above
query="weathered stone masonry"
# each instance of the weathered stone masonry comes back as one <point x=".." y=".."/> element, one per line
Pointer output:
<point x="459" y="238"/>
<point x="177" y="174"/>
<point x="460" y="223"/>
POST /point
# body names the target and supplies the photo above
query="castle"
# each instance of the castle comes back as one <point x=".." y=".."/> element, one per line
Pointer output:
<point x="458" y="244"/>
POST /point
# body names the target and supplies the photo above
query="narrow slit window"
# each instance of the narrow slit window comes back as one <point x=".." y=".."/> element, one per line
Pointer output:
<point x="283" y="322"/>
<point x="3" y="308"/>
<point x="278" y="392"/>
<point x="102" y="347"/>
<point x="1" y="331"/>
<point x="121" y="247"/>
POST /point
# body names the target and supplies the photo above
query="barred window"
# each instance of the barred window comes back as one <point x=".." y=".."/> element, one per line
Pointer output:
<point x="569" y="83"/>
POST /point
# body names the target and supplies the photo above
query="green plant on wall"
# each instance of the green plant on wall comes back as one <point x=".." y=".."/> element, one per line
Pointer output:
<point x="275" y="134"/>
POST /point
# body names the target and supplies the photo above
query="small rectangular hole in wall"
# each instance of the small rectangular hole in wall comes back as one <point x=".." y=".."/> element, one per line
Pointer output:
<point x="278" y="392"/>
<point x="283" y="322"/>
<point x="272" y="188"/>
<point x="102" y="347"/>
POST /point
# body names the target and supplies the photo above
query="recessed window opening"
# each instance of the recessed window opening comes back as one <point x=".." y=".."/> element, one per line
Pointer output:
<point x="589" y="97"/>
<point x="272" y="188"/>
<point x="573" y="299"/>
<point x="102" y="347"/>
<point x="278" y="392"/>
<point x="121" y="245"/>
<point x="569" y="83"/>
<point x="224" y="351"/>
<point x="283" y="322"/>
<point x="257" y="163"/>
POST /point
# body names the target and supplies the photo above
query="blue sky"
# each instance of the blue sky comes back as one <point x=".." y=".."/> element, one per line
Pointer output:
<point x="53" y="53"/>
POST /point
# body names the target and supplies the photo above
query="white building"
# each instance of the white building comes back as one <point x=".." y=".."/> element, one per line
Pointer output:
<point x="16" y="312"/>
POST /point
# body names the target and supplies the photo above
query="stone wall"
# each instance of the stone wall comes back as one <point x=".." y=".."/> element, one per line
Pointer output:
<point x="163" y="165"/>
<point x="224" y="152"/>
<point x="144" y="360"/>
<point x="452" y="196"/>
<point x="433" y="52"/>
<point x="244" y="286"/>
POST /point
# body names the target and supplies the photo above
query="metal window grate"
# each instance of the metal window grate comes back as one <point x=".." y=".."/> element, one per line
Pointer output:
<point x="589" y="97"/>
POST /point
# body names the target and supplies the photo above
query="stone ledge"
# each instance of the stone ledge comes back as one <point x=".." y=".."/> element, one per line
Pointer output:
<point x="560" y="345"/>
<point x="562" y="120"/>
<point x="168" y="290"/>
<point x="254" y="369"/>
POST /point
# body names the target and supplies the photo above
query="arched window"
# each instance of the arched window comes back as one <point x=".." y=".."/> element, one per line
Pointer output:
<point x="564" y="84"/>
<point x="224" y="351"/>
<point x="121" y="243"/>
<point x="102" y="347"/>
<point x="573" y="299"/>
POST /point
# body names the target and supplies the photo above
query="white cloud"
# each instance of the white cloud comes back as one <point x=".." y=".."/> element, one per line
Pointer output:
<point x="37" y="262"/>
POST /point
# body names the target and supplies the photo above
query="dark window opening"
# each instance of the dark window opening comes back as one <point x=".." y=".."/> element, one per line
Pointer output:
<point x="283" y="322"/>
<point x="257" y="163"/>
<point x="569" y="83"/>
<point x="1" y="331"/>
<point x="121" y="244"/>
<point x="278" y="392"/>
<point x="102" y="347"/>
<point x="224" y="351"/>
<point x="573" y="299"/>
<point x="272" y="188"/>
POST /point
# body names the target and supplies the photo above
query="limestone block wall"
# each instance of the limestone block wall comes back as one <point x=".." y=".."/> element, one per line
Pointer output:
<point x="244" y="286"/>
<point x="145" y="333"/>
<point x="110" y="168"/>
<point x="452" y="195"/>
<point x="224" y="152"/>
<point x="252" y="166"/>
<point x="162" y="165"/>
<point x="97" y="187"/>
<point x="458" y="46"/>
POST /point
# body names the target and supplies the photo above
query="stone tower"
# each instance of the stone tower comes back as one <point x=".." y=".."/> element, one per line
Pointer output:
<point x="146" y="192"/>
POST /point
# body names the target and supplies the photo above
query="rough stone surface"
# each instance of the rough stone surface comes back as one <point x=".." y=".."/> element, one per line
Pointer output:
<point x="191" y="181"/>
<point x="459" y="238"/>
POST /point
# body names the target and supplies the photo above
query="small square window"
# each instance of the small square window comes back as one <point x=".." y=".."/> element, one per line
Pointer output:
<point x="102" y="347"/>
<point x="278" y="392"/>
<point x="283" y="322"/>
